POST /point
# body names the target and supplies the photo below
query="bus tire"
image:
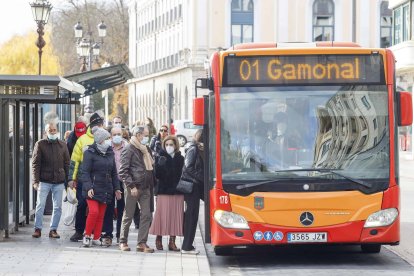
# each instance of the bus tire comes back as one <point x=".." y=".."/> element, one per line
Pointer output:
<point x="371" y="248"/>
<point x="223" y="251"/>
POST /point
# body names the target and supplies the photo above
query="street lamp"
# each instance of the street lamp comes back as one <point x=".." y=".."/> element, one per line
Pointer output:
<point x="86" y="47"/>
<point x="41" y="11"/>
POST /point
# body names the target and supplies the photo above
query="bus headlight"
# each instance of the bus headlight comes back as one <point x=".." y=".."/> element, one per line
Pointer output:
<point x="381" y="218"/>
<point x="230" y="220"/>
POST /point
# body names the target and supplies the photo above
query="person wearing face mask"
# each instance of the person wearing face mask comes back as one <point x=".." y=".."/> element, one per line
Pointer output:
<point x="100" y="182"/>
<point x="118" y="144"/>
<point x="169" y="214"/>
<point x="81" y="145"/>
<point x="136" y="172"/>
<point x="50" y="168"/>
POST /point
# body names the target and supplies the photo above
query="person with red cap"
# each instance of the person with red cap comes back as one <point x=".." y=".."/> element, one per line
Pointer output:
<point x="79" y="129"/>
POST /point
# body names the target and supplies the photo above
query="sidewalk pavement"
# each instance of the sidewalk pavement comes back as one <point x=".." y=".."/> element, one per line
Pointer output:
<point x="23" y="255"/>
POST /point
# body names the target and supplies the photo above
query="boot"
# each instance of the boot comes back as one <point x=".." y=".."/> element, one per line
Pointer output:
<point x="171" y="244"/>
<point x="158" y="243"/>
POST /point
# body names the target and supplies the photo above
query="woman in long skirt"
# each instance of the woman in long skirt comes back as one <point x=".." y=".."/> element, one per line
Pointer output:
<point x="169" y="212"/>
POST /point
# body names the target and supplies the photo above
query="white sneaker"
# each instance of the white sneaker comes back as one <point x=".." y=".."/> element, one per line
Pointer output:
<point x="190" y="252"/>
<point x="96" y="242"/>
<point x="87" y="241"/>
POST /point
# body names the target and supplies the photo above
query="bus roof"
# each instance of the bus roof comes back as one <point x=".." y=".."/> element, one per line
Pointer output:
<point x="263" y="45"/>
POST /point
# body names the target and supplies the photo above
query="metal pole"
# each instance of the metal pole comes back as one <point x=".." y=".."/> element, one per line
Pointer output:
<point x="26" y="152"/>
<point x="16" y="171"/>
<point x="207" y="177"/>
<point x="353" y="20"/>
<point x="40" y="43"/>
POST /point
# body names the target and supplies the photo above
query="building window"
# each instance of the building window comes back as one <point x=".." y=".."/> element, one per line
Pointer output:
<point x="242" y="21"/>
<point x="401" y="23"/>
<point x="385" y="25"/>
<point x="323" y="20"/>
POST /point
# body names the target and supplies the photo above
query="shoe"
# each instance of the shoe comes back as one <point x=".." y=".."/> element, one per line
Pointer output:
<point x="53" y="234"/>
<point x="76" y="237"/>
<point x="96" y="242"/>
<point x="171" y="244"/>
<point x="123" y="246"/>
<point x="87" y="241"/>
<point x="117" y="240"/>
<point x="158" y="243"/>
<point x="37" y="233"/>
<point x="106" y="242"/>
<point x="190" y="252"/>
<point x="136" y="226"/>
<point x="143" y="247"/>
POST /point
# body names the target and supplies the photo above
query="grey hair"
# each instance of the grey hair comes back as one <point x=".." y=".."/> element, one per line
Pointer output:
<point x="138" y="129"/>
<point x="47" y="126"/>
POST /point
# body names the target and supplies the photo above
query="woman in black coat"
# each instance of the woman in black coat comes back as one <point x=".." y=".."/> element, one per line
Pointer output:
<point x="100" y="179"/>
<point x="169" y="214"/>
<point x="193" y="171"/>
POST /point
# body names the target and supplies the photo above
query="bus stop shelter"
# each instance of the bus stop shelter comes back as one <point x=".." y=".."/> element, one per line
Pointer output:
<point x="21" y="125"/>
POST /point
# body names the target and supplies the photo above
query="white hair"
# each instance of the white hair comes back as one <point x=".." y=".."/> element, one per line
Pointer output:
<point x="47" y="126"/>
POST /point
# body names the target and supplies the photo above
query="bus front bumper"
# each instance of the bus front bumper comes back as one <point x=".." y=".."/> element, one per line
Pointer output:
<point x="346" y="233"/>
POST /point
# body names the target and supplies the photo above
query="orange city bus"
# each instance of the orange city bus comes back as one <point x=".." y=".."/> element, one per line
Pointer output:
<point x="301" y="145"/>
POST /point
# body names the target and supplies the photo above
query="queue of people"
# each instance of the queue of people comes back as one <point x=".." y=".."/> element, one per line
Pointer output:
<point x="137" y="173"/>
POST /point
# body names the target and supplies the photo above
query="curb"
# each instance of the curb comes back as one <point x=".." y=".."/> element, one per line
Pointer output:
<point x="202" y="259"/>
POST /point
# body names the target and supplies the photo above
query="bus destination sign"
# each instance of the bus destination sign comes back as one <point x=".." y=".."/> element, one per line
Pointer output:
<point x="309" y="69"/>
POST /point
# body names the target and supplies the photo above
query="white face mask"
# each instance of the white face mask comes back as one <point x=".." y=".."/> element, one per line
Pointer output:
<point x="169" y="149"/>
<point x="117" y="139"/>
<point x="53" y="136"/>
<point x="144" y="140"/>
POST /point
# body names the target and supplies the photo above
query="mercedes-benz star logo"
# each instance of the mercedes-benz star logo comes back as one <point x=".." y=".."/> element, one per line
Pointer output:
<point x="306" y="218"/>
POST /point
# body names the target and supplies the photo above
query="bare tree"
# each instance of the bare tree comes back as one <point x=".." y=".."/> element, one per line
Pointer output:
<point x="114" y="50"/>
<point x="90" y="13"/>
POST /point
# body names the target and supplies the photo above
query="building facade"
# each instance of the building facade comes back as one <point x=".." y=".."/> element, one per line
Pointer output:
<point x="171" y="40"/>
<point x="403" y="49"/>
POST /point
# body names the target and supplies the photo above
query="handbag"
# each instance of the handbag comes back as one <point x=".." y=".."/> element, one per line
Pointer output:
<point x="184" y="186"/>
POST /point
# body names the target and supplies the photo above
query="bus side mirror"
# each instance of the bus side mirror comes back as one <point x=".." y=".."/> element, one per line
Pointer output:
<point x="405" y="106"/>
<point x="198" y="111"/>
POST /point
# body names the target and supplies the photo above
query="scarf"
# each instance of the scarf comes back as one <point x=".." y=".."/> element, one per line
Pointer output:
<point x="148" y="161"/>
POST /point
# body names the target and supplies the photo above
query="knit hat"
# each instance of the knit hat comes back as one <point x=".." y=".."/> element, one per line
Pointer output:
<point x="100" y="134"/>
<point x="95" y="120"/>
<point x="80" y="129"/>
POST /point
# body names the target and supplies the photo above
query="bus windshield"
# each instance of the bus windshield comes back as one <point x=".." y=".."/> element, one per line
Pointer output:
<point x="275" y="133"/>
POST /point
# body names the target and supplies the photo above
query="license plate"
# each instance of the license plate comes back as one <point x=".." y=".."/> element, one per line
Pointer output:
<point x="307" y="237"/>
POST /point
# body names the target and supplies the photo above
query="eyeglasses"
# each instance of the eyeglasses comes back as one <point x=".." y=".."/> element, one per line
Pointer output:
<point x="163" y="130"/>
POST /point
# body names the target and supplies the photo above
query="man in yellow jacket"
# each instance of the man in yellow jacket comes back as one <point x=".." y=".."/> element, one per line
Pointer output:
<point x="74" y="173"/>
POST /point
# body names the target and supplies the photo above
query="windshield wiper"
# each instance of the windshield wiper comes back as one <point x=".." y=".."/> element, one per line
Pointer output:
<point x="332" y="171"/>
<point x="250" y="185"/>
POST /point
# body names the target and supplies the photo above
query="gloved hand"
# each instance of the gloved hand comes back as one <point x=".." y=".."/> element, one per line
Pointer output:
<point x="162" y="160"/>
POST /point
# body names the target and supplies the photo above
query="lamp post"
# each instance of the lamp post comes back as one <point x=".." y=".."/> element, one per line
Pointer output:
<point x="86" y="47"/>
<point x="41" y="11"/>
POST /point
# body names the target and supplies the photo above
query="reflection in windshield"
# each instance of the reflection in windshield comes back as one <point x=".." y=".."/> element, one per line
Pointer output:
<point x="264" y="130"/>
